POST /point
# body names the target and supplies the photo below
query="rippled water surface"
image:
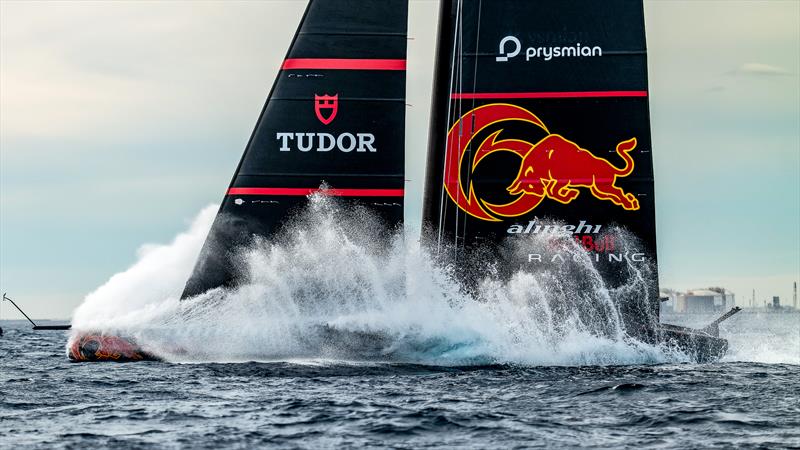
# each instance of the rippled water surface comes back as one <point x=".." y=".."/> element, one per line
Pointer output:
<point x="46" y="401"/>
<point x="537" y="357"/>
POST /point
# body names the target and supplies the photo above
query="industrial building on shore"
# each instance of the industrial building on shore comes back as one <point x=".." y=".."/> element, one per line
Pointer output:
<point x="718" y="299"/>
<point x="698" y="301"/>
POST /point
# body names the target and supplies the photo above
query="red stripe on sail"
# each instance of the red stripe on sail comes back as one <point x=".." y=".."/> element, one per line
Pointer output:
<point x="344" y="64"/>
<point x="579" y="94"/>
<point x="293" y="192"/>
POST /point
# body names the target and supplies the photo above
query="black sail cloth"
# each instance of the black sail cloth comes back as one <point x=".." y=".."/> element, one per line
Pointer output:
<point x="336" y="114"/>
<point x="540" y="113"/>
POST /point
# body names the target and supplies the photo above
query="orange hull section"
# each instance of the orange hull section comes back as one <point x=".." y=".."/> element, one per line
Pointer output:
<point x="96" y="347"/>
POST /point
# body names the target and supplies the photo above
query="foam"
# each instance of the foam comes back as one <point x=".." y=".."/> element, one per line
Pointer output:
<point x="327" y="288"/>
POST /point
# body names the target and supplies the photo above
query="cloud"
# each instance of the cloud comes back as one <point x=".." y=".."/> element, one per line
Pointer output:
<point x="157" y="67"/>
<point x="759" y="69"/>
<point x="715" y="88"/>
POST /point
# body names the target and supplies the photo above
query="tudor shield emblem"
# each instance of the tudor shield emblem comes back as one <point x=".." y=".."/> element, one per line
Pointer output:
<point x="326" y="107"/>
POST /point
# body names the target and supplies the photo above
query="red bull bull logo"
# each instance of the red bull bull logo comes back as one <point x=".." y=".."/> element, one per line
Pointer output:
<point x="554" y="167"/>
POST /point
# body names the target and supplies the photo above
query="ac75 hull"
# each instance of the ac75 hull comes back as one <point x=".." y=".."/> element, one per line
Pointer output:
<point x="699" y="345"/>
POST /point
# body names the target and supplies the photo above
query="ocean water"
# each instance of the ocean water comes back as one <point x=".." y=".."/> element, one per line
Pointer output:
<point x="335" y="339"/>
<point x="741" y="402"/>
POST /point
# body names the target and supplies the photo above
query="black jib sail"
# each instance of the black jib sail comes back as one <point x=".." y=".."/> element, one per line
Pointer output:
<point x="540" y="113"/>
<point x="336" y="114"/>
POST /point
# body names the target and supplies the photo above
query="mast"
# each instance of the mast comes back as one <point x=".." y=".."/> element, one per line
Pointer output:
<point x="335" y="115"/>
<point x="433" y="195"/>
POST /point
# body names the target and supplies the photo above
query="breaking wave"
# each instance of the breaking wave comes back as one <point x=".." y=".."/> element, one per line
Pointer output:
<point x="330" y="287"/>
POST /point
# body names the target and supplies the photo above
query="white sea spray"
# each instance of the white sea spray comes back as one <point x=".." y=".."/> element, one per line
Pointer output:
<point x="331" y="286"/>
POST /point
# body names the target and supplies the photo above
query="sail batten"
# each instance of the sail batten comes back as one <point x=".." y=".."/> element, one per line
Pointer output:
<point x="344" y="64"/>
<point x="523" y="95"/>
<point x="339" y="192"/>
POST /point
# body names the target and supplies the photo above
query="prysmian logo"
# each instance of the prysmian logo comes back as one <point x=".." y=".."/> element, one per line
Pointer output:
<point x="510" y="47"/>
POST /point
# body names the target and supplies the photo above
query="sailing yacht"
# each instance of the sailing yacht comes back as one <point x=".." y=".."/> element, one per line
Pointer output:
<point x="540" y="124"/>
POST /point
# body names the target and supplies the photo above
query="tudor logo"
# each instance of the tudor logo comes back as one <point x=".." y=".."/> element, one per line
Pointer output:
<point x="326" y="107"/>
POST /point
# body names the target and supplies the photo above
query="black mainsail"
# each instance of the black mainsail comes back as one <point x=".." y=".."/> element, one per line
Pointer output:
<point x="540" y="124"/>
<point x="336" y="114"/>
<point x="540" y="112"/>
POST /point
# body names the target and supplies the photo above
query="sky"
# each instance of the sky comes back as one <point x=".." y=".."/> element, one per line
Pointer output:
<point x="120" y="121"/>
